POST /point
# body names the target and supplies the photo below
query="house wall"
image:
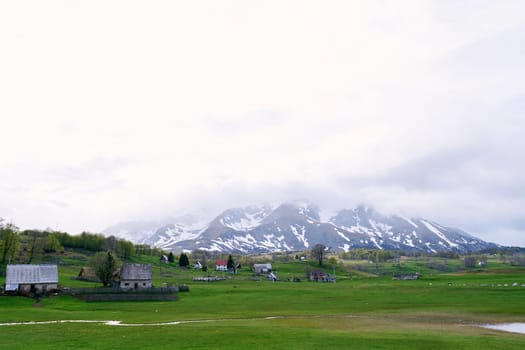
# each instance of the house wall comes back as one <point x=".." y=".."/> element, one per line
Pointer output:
<point x="140" y="284"/>
<point x="38" y="287"/>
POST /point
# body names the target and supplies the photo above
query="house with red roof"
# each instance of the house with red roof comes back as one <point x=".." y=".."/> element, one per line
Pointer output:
<point x="221" y="265"/>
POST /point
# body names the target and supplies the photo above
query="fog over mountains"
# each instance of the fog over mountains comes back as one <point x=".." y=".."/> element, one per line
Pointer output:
<point x="295" y="226"/>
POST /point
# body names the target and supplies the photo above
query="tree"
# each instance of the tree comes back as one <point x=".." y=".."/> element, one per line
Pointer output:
<point x="230" y="262"/>
<point x="318" y="253"/>
<point x="183" y="260"/>
<point x="110" y="244"/>
<point x="52" y="243"/>
<point x="36" y="243"/>
<point x="171" y="257"/>
<point x="8" y="241"/>
<point x="125" y="249"/>
<point x="104" y="264"/>
<point x="470" y="261"/>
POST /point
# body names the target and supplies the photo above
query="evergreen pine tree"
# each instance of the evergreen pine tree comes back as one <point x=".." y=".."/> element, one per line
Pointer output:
<point x="183" y="260"/>
<point x="230" y="262"/>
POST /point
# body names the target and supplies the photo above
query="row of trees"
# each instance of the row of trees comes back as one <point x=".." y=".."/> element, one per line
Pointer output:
<point x="28" y="246"/>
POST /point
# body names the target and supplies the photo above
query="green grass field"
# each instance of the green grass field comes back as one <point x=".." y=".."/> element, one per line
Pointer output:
<point x="439" y="311"/>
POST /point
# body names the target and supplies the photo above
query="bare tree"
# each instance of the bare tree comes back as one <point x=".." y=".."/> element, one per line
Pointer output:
<point x="318" y="252"/>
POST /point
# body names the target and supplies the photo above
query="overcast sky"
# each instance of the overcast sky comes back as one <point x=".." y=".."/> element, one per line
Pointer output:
<point x="123" y="110"/>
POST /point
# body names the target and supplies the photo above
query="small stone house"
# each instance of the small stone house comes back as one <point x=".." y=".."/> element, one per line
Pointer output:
<point x="135" y="276"/>
<point x="31" y="278"/>
<point x="262" y="268"/>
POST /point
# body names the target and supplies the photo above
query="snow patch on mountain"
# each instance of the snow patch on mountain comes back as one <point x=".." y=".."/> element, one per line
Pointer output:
<point x="301" y="237"/>
<point x="438" y="233"/>
<point x="409" y="221"/>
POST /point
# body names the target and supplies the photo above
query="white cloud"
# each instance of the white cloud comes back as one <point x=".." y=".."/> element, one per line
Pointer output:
<point x="113" y="111"/>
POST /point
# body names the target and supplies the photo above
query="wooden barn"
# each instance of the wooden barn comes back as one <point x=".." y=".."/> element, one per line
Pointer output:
<point x="31" y="278"/>
<point x="135" y="276"/>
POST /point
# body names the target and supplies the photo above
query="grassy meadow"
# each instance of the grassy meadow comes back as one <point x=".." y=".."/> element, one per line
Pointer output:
<point x="360" y="311"/>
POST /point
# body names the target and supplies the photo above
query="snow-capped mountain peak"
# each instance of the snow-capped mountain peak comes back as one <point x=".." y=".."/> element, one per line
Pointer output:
<point x="294" y="226"/>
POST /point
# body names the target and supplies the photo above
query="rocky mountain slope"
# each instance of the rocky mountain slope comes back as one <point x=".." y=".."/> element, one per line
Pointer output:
<point x="297" y="226"/>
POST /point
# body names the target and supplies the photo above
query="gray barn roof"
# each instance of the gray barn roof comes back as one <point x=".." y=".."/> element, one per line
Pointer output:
<point x="135" y="272"/>
<point x="31" y="274"/>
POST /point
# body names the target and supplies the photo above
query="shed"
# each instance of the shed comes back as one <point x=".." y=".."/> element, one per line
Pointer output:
<point x="262" y="268"/>
<point x="317" y="276"/>
<point x="135" y="276"/>
<point x="31" y="278"/>
<point x="87" y="274"/>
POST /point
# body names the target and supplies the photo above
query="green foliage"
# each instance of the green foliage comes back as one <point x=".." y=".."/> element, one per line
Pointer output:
<point x="230" y="263"/>
<point x="9" y="238"/>
<point x="144" y="249"/>
<point x="52" y="243"/>
<point x="171" y="257"/>
<point x="35" y="241"/>
<point x="183" y="260"/>
<point x="126" y="249"/>
<point x="104" y="264"/>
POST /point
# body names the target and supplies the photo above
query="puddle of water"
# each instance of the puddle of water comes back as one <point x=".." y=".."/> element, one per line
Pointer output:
<point x="507" y="327"/>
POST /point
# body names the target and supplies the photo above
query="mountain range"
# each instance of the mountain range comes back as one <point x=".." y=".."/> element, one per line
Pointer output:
<point x="296" y="226"/>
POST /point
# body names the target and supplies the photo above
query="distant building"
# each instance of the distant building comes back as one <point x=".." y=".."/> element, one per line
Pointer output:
<point x="262" y="268"/>
<point x="317" y="276"/>
<point x="87" y="274"/>
<point x="31" y="278"/>
<point x="135" y="276"/>
<point x="407" y="276"/>
<point x="221" y="265"/>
